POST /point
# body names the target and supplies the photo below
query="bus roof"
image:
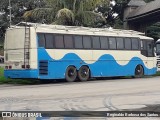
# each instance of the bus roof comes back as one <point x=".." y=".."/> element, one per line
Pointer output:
<point x="82" y="30"/>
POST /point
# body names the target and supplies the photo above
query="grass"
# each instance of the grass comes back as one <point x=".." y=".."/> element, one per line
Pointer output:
<point x="157" y="74"/>
<point x="4" y="80"/>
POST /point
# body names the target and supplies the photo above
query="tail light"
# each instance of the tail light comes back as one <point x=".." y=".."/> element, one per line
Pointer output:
<point x="28" y="66"/>
<point x="10" y="67"/>
<point x="6" y="67"/>
<point x="23" y="66"/>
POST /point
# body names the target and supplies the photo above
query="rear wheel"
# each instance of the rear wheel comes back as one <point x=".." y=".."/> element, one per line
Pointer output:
<point x="71" y="74"/>
<point x="84" y="73"/>
<point x="139" y="71"/>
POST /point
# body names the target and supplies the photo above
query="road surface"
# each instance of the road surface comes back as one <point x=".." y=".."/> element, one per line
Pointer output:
<point x="95" y="95"/>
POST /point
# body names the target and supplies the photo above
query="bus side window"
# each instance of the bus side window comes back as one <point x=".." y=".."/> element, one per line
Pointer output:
<point x="41" y="40"/>
<point x="96" y="42"/>
<point x="68" y="41"/>
<point x="135" y="44"/>
<point x="59" y="43"/>
<point x="150" y="49"/>
<point x="49" y="41"/>
<point x="112" y="43"/>
<point x="120" y="43"/>
<point x="127" y="44"/>
<point x="78" y="42"/>
<point x="87" y="42"/>
<point x="144" y="45"/>
<point x="144" y="48"/>
<point x="104" y="42"/>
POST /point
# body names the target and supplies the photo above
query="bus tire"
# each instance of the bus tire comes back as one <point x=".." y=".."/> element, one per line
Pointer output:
<point x="71" y="74"/>
<point x="139" y="71"/>
<point x="83" y="73"/>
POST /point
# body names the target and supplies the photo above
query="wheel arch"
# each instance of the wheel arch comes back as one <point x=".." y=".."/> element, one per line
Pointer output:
<point x="137" y="76"/>
<point x="70" y="66"/>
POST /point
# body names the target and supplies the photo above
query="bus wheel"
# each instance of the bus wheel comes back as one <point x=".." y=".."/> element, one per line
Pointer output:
<point x="71" y="74"/>
<point x="139" y="71"/>
<point x="84" y="73"/>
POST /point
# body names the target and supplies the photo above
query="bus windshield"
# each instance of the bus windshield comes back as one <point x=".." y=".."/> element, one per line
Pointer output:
<point x="158" y="49"/>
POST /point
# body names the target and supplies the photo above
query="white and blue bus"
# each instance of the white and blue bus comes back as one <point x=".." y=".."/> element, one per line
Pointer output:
<point x="66" y="52"/>
<point x="158" y="54"/>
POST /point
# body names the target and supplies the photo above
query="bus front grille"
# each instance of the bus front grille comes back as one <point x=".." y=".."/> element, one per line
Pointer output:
<point x="43" y="67"/>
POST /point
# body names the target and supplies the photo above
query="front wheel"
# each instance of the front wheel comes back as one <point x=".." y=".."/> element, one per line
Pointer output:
<point x="84" y="73"/>
<point x="139" y="71"/>
<point x="71" y="74"/>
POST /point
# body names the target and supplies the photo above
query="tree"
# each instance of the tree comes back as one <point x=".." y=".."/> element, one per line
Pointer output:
<point x="113" y="12"/>
<point x="154" y="31"/>
<point x="18" y="8"/>
<point x="67" y="12"/>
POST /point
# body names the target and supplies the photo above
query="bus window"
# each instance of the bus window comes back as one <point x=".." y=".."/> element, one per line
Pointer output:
<point x="143" y="45"/>
<point x="144" y="48"/>
<point x="120" y="43"/>
<point x="104" y="42"/>
<point x="158" y="48"/>
<point x="49" y="41"/>
<point x="41" y="40"/>
<point x="68" y="41"/>
<point x="112" y="43"/>
<point x="127" y="43"/>
<point x="150" y="49"/>
<point x="87" y="42"/>
<point x="59" y="43"/>
<point x="96" y="42"/>
<point x="78" y="42"/>
<point x="135" y="44"/>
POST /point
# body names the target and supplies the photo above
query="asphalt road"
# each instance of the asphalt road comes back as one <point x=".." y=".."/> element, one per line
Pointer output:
<point x="95" y="95"/>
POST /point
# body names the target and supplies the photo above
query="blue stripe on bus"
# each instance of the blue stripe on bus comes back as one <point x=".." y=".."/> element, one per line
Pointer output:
<point x="105" y="66"/>
<point x="21" y="73"/>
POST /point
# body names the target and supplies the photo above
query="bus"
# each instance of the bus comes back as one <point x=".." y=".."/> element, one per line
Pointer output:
<point x="158" y="54"/>
<point x="49" y="52"/>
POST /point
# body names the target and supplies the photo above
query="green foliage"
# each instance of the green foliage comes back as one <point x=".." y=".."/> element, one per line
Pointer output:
<point x="90" y="19"/>
<point x="64" y="17"/>
<point x="41" y="15"/>
<point x="17" y="10"/>
<point x="67" y="12"/>
<point x="118" y="24"/>
<point x="90" y="5"/>
<point x="154" y="31"/>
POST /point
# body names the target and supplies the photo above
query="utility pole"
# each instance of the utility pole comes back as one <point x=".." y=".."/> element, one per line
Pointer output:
<point x="10" y="13"/>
